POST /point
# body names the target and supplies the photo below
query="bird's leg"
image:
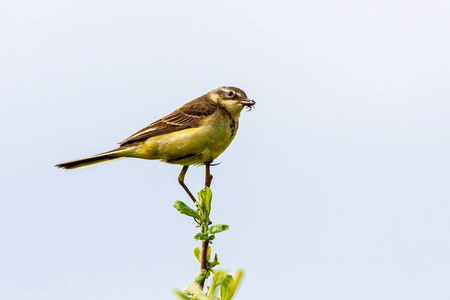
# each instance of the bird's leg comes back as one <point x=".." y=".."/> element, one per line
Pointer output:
<point x="181" y="181"/>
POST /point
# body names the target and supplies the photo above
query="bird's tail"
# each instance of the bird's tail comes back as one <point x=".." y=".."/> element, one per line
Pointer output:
<point x="93" y="160"/>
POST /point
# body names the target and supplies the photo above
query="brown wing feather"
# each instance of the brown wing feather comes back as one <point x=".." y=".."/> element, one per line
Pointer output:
<point x="187" y="116"/>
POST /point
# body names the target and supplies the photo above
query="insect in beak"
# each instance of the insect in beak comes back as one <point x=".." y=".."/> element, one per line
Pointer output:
<point x="248" y="103"/>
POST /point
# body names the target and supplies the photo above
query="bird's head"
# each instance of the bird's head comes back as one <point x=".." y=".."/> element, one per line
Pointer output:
<point x="232" y="99"/>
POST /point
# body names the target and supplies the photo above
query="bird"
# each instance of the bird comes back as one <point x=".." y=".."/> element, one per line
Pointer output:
<point x="194" y="134"/>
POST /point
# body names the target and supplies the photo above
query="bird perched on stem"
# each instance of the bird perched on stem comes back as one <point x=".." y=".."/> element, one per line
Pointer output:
<point x="194" y="134"/>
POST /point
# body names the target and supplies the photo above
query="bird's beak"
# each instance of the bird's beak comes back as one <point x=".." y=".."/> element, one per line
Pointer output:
<point x="248" y="102"/>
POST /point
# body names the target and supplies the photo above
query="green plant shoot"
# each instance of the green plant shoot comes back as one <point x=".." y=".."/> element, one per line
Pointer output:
<point x="222" y="283"/>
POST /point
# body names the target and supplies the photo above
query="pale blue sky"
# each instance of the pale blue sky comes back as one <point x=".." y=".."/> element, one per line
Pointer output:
<point x="336" y="186"/>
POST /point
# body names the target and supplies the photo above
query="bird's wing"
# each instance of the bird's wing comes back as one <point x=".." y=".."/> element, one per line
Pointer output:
<point x="188" y="116"/>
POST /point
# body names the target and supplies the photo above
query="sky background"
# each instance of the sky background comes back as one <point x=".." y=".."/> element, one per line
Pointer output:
<point x="337" y="185"/>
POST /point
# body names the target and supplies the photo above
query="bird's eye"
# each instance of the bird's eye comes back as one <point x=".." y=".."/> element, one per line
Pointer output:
<point x="230" y="94"/>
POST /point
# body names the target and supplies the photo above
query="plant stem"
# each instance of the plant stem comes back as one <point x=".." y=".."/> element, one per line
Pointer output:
<point x="205" y="244"/>
<point x="208" y="176"/>
<point x="203" y="262"/>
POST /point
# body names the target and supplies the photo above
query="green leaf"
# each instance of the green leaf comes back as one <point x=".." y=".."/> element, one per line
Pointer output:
<point x="205" y="196"/>
<point x="200" y="276"/>
<point x="218" y="228"/>
<point x="215" y="262"/>
<point x="186" y="210"/>
<point x="227" y="282"/>
<point x="181" y="295"/>
<point x="197" y="254"/>
<point x="234" y="286"/>
<point x="208" y="253"/>
<point x="194" y="289"/>
<point x="216" y="281"/>
<point x="201" y="236"/>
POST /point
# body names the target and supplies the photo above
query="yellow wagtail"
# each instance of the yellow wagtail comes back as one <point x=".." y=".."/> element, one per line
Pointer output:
<point x="194" y="134"/>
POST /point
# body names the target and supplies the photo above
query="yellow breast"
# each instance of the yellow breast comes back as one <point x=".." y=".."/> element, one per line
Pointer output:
<point x="193" y="145"/>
